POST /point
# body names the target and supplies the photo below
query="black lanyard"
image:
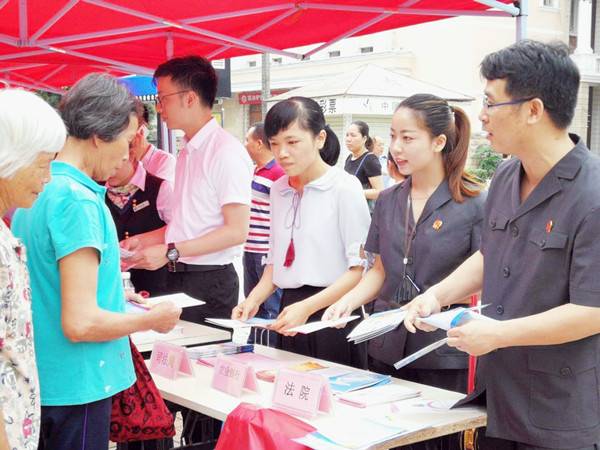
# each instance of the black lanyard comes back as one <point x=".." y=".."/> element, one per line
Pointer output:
<point x="407" y="288"/>
<point x="408" y="234"/>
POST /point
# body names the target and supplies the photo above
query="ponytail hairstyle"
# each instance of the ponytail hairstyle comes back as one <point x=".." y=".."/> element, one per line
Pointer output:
<point x="331" y="150"/>
<point x="310" y="117"/>
<point x="438" y="118"/>
<point x="363" y="128"/>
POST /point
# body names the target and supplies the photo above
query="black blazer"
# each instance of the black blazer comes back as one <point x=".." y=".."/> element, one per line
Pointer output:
<point x="447" y="233"/>
<point x="539" y="255"/>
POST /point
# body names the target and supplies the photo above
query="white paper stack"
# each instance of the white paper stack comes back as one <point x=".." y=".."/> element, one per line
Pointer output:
<point x="376" y="325"/>
<point x="454" y="317"/>
<point x="379" y="394"/>
<point x="311" y="327"/>
<point x="179" y="299"/>
<point x="358" y="433"/>
<point x="232" y="323"/>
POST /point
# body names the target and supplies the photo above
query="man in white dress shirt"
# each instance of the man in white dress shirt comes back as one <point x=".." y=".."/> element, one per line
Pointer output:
<point x="211" y="201"/>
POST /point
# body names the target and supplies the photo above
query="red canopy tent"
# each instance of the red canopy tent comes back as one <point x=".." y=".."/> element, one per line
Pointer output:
<point x="48" y="44"/>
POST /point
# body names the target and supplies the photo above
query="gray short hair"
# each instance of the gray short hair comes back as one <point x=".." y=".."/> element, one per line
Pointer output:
<point x="28" y="126"/>
<point x="97" y="105"/>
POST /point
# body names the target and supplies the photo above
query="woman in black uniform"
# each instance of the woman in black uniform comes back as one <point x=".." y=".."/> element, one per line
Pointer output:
<point x="422" y="229"/>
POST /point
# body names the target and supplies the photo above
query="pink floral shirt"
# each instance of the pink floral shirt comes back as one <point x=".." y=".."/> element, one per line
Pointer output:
<point x="19" y="387"/>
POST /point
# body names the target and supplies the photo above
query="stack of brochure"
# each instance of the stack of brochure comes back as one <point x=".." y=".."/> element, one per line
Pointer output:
<point x="227" y="348"/>
<point x="311" y="327"/>
<point x="357" y="379"/>
<point x="376" y="325"/>
<point x="232" y="323"/>
<point x="378" y="394"/>
<point x="359" y="433"/>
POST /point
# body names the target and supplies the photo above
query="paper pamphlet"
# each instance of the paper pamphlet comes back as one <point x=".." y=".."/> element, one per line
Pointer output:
<point x="214" y="350"/>
<point x="125" y="254"/>
<point x="453" y="317"/>
<point x="308" y="366"/>
<point x="376" y="325"/>
<point x="378" y="394"/>
<point x="357" y="379"/>
<point x="321" y="324"/>
<point x="358" y="433"/>
<point x="180" y="299"/>
<point x="232" y="323"/>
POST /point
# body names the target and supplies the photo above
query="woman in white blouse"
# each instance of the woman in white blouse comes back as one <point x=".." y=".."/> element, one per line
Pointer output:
<point x="31" y="133"/>
<point x="319" y="220"/>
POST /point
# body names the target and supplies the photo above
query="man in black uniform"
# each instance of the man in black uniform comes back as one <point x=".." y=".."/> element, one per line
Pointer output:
<point x="539" y="262"/>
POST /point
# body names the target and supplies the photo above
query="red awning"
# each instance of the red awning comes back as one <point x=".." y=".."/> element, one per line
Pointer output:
<point x="52" y="43"/>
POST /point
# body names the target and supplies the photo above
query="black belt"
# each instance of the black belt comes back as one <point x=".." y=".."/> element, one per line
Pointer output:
<point x="182" y="267"/>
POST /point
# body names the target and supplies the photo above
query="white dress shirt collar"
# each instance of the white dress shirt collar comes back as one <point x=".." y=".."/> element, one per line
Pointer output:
<point x="323" y="183"/>
<point x="197" y="141"/>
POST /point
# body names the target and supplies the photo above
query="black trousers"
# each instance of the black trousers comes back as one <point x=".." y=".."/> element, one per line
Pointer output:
<point x="449" y="379"/>
<point x="76" y="427"/>
<point x="329" y="344"/>
<point x="219" y="288"/>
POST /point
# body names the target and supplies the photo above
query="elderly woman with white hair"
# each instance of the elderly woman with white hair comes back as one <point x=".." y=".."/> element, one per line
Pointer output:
<point x="31" y="133"/>
<point x="81" y="328"/>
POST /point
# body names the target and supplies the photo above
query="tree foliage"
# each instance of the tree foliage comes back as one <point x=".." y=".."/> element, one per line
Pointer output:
<point x="51" y="98"/>
<point x="485" y="161"/>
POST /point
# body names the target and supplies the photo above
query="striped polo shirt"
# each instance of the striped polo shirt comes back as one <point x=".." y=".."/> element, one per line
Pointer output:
<point x="260" y="209"/>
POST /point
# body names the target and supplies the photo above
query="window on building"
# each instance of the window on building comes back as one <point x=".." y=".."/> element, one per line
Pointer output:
<point x="573" y="16"/>
<point x="552" y="4"/>
<point x="251" y="63"/>
<point x="366" y="49"/>
<point x="254" y="114"/>
<point x="277" y="60"/>
<point x="334" y="54"/>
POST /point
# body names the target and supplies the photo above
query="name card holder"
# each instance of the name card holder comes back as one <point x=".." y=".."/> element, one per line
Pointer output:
<point x="168" y="360"/>
<point x="231" y="376"/>
<point x="301" y="393"/>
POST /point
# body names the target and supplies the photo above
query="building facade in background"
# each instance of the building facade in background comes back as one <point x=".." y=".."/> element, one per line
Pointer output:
<point x="446" y="53"/>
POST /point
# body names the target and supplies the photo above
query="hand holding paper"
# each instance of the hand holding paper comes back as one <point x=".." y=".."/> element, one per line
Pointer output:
<point x="451" y="318"/>
<point x="477" y="337"/>
<point x="321" y="324"/>
<point x="127" y="250"/>
<point x="292" y="316"/>
<point x="421" y="306"/>
<point x="245" y="310"/>
<point x="164" y="317"/>
<point x="125" y="254"/>
<point x="341" y="308"/>
<point x="232" y="323"/>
